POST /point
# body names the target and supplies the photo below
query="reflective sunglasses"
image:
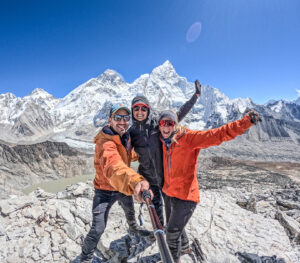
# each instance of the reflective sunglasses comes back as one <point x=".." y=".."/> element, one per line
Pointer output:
<point x="166" y="123"/>
<point x="143" y="108"/>
<point x="118" y="117"/>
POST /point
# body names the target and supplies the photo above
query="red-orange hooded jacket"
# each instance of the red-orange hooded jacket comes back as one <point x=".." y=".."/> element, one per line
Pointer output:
<point x="180" y="160"/>
<point x="112" y="164"/>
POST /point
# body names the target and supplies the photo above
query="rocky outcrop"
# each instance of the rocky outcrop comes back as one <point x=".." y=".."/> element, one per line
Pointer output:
<point x="24" y="165"/>
<point x="45" y="227"/>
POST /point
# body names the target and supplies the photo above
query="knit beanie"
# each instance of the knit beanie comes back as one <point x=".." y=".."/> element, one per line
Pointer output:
<point x="169" y="114"/>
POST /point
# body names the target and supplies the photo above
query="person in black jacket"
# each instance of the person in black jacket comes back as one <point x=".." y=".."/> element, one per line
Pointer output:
<point x="145" y="140"/>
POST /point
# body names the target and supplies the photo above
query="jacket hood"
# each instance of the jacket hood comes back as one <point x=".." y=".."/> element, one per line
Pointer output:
<point x="140" y="99"/>
<point x="143" y="100"/>
<point x="108" y="134"/>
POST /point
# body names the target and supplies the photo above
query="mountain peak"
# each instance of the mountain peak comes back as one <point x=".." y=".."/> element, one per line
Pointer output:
<point x="167" y="64"/>
<point x="39" y="91"/>
<point x="111" y="76"/>
<point x="166" y="67"/>
<point x="110" y="72"/>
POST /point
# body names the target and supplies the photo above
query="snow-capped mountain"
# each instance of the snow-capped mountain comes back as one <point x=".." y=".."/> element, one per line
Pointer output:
<point x="80" y="113"/>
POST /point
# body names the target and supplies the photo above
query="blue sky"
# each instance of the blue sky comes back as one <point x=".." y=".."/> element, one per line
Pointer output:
<point x="245" y="48"/>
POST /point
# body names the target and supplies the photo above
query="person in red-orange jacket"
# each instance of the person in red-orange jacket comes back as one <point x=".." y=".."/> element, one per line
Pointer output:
<point x="181" y="148"/>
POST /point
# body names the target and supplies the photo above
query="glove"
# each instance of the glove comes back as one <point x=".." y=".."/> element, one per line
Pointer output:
<point x="254" y="116"/>
<point x="198" y="88"/>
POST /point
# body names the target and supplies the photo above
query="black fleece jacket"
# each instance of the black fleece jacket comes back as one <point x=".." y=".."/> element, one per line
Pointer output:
<point x="147" y="144"/>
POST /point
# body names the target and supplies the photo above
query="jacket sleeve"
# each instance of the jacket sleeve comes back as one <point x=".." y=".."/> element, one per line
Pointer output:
<point x="213" y="137"/>
<point x="134" y="156"/>
<point x="120" y="176"/>
<point x="186" y="107"/>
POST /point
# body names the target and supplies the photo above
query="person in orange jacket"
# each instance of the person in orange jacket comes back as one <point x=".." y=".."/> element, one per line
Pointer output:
<point x="114" y="179"/>
<point x="181" y="148"/>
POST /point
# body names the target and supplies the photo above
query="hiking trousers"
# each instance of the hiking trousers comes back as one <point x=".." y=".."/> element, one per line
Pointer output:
<point x="102" y="202"/>
<point x="157" y="202"/>
<point x="178" y="213"/>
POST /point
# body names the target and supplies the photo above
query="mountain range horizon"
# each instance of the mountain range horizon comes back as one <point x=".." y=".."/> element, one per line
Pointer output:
<point x="115" y="72"/>
<point x="76" y="118"/>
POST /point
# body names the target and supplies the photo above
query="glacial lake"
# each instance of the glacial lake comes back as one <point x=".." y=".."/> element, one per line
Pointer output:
<point x="58" y="185"/>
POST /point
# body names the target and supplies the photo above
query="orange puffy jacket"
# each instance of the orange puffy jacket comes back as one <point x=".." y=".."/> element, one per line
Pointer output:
<point x="112" y="164"/>
<point x="180" y="160"/>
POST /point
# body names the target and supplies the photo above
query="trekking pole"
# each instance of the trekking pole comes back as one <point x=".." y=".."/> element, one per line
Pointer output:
<point x="159" y="232"/>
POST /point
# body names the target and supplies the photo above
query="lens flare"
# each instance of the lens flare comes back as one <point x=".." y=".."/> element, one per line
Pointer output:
<point x="193" y="32"/>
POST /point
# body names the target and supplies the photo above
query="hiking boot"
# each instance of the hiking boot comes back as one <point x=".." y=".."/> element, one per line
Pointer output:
<point x="140" y="231"/>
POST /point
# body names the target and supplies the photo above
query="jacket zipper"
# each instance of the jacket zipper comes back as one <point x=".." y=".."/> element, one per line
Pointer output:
<point x="169" y="168"/>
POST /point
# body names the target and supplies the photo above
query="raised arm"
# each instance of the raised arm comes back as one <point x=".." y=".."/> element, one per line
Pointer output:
<point x="186" y="107"/>
<point x="227" y="132"/>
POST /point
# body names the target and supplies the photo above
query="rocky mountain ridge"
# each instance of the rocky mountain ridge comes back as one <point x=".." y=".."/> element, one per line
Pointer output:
<point x="76" y="118"/>
<point x="25" y="165"/>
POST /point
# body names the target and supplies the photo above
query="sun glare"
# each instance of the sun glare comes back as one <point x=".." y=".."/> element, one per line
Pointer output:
<point x="193" y="32"/>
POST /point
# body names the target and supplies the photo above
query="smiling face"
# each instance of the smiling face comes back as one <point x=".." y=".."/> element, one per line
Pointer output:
<point x="119" y="126"/>
<point x="165" y="127"/>
<point x="140" y="112"/>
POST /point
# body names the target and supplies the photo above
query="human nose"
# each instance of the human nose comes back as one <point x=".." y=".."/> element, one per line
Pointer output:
<point x="122" y="121"/>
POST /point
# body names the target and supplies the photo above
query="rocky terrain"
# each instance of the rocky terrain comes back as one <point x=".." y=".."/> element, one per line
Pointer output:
<point x="243" y="208"/>
<point x="45" y="227"/>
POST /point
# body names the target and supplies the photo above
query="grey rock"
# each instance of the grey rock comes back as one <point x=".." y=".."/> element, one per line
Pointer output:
<point x="34" y="212"/>
<point x="63" y="212"/>
<point x="249" y="204"/>
<point x="82" y="210"/>
<point x="72" y="231"/>
<point x="8" y="206"/>
<point x="291" y="226"/>
<point x="288" y="204"/>
<point x="2" y="228"/>
<point x="45" y="247"/>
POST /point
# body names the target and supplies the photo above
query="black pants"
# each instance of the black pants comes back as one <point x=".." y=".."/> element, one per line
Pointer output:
<point x="102" y="202"/>
<point x="178" y="213"/>
<point x="157" y="202"/>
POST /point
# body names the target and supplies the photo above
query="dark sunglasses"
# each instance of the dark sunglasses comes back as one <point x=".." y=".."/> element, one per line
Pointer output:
<point x="118" y="117"/>
<point x="143" y="108"/>
<point x="166" y="123"/>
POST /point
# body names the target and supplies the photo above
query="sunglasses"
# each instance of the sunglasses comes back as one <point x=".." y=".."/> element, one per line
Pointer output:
<point x="143" y="108"/>
<point x="166" y="123"/>
<point x="118" y="117"/>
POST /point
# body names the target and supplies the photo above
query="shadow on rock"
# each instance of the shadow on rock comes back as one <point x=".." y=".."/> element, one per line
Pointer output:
<point x="124" y="249"/>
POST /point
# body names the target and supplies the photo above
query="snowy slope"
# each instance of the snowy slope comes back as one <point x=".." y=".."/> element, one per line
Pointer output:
<point x="80" y="113"/>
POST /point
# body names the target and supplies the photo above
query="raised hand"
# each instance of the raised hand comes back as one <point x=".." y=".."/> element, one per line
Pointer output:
<point x="198" y="88"/>
<point x="254" y="116"/>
